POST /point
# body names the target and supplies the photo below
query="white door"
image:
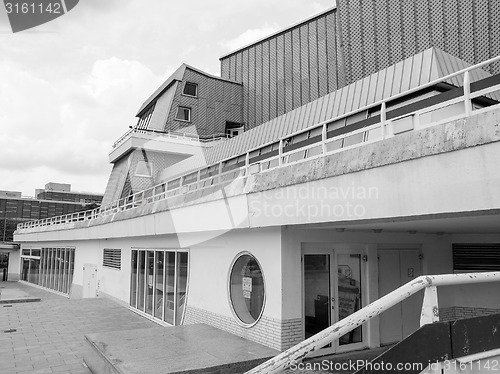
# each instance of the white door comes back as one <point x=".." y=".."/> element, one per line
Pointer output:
<point x="89" y="281"/>
<point x="395" y="268"/>
<point x="332" y="282"/>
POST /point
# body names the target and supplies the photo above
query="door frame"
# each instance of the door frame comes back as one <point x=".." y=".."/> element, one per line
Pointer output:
<point x="413" y="247"/>
<point x="334" y="250"/>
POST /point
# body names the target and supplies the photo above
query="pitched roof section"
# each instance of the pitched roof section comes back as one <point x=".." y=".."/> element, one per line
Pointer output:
<point x="413" y="72"/>
<point x="175" y="77"/>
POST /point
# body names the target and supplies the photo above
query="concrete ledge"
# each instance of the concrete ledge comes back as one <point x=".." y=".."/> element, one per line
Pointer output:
<point x="172" y="350"/>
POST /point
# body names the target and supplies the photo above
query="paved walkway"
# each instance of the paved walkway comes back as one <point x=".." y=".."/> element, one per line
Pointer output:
<point x="49" y="336"/>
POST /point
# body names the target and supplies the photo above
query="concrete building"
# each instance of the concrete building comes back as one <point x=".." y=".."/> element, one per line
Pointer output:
<point x="354" y="160"/>
<point x="54" y="200"/>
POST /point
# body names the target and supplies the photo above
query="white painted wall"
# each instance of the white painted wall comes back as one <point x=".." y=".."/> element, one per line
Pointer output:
<point x="14" y="265"/>
<point x="210" y="264"/>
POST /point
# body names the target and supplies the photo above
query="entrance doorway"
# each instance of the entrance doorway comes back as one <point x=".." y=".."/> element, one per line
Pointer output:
<point x="4" y="266"/>
<point x="332" y="280"/>
<point x="395" y="268"/>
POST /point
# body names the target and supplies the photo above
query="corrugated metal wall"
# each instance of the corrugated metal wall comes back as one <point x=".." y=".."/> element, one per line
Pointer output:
<point x="353" y="41"/>
<point x="288" y="70"/>
<point x="378" y="33"/>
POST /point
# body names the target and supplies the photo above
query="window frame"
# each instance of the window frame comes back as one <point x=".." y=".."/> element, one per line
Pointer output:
<point x="179" y="108"/>
<point x="105" y="264"/>
<point x="239" y="321"/>
<point x="195" y="88"/>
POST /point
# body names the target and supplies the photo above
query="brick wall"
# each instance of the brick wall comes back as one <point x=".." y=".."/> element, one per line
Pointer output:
<point x="271" y="332"/>
<point x="459" y="312"/>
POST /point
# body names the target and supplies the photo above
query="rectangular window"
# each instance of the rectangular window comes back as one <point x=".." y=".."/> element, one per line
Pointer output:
<point x="183" y="114"/>
<point x="50" y="268"/>
<point x="190" y="89"/>
<point x="159" y="284"/>
<point x="112" y="258"/>
<point x="234" y="129"/>
<point x="476" y="257"/>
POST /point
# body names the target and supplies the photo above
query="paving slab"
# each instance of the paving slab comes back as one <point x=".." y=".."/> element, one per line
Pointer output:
<point x="9" y="295"/>
<point x="197" y="348"/>
<point x="49" y="335"/>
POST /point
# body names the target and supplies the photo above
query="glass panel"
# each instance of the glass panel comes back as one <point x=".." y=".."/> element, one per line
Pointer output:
<point x="247" y="289"/>
<point x="35" y="252"/>
<point x="374" y="134"/>
<point x="150" y="282"/>
<point x="159" y="285"/>
<point x="56" y="269"/>
<point x="182" y="273"/>
<point x="65" y="271"/>
<point x="71" y="268"/>
<point x="44" y="267"/>
<point x="141" y="283"/>
<point x="349" y="292"/>
<point x="316" y="293"/>
<point x="169" y="287"/>
<point x="133" y="280"/>
<point x="34" y="271"/>
<point x="353" y="139"/>
<point x="51" y="268"/>
<point x="26" y="251"/>
<point x="334" y="145"/>
<point x="26" y="267"/>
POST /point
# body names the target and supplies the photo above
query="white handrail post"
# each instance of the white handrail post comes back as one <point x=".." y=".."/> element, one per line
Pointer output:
<point x="430" y="307"/>
<point x="247" y="162"/>
<point x="280" y="153"/>
<point x="467" y="100"/>
<point x="383" y="119"/>
<point x="323" y="139"/>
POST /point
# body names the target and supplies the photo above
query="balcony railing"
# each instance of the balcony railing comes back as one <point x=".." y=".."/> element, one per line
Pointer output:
<point x="167" y="134"/>
<point x="322" y="139"/>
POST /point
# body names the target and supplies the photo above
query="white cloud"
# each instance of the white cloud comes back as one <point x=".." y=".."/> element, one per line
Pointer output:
<point x="67" y="95"/>
<point x="249" y="36"/>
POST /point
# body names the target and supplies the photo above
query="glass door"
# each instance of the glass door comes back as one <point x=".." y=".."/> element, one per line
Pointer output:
<point x="332" y="290"/>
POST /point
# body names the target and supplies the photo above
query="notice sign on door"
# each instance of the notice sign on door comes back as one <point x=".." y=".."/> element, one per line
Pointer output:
<point x="246" y="284"/>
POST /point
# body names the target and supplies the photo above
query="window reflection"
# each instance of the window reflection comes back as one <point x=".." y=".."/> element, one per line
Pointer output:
<point x="159" y="283"/>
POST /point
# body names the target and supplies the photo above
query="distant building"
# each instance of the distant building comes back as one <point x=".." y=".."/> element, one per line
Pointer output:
<point x="55" y="199"/>
<point x="331" y="163"/>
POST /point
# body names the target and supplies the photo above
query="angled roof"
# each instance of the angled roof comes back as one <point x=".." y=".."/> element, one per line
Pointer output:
<point x="282" y="31"/>
<point x="410" y="73"/>
<point x="176" y="76"/>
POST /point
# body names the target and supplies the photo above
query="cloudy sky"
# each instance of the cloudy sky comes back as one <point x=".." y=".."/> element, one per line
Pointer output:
<point x="71" y="87"/>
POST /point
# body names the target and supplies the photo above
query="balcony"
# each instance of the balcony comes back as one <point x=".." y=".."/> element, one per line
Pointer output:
<point x="324" y="140"/>
<point x="161" y="141"/>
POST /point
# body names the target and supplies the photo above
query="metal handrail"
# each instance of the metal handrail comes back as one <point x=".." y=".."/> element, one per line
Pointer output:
<point x="430" y="314"/>
<point x="283" y="157"/>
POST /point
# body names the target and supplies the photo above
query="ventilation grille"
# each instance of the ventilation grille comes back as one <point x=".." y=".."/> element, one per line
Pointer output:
<point x="112" y="258"/>
<point x="476" y="257"/>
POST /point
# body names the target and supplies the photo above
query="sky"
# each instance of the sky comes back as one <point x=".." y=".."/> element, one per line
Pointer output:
<point x="71" y="87"/>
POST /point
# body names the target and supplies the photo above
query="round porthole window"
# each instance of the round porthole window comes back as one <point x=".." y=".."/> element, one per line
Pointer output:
<point x="246" y="289"/>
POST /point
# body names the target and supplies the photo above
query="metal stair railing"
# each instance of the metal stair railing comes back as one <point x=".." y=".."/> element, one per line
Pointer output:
<point x="430" y="314"/>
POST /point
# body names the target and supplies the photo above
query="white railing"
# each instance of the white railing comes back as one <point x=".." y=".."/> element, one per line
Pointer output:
<point x="323" y="146"/>
<point x="430" y="314"/>
<point x="168" y="134"/>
